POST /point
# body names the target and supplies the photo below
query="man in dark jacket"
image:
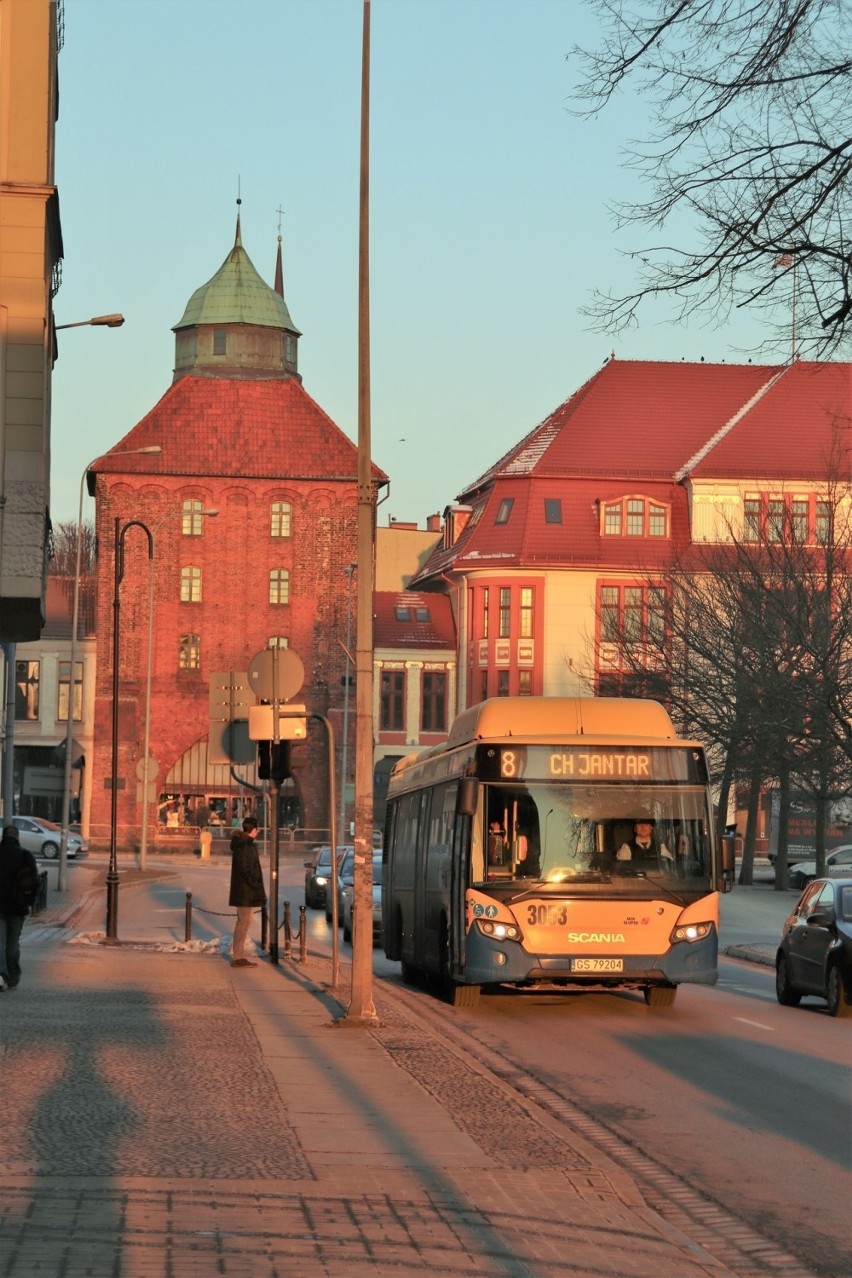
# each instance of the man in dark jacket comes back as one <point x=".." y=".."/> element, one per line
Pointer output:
<point x="18" y="886"/>
<point x="247" y="890"/>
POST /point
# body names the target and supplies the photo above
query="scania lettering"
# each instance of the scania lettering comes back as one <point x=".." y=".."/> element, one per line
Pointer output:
<point x="555" y="842"/>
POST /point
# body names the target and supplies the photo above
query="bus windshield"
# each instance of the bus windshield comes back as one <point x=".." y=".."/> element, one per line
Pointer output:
<point x="546" y="833"/>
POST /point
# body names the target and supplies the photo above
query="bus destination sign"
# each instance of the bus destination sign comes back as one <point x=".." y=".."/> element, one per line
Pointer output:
<point x="598" y="763"/>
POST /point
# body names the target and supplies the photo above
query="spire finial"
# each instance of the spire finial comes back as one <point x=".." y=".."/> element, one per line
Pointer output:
<point x="279" y="268"/>
<point x="238" y="241"/>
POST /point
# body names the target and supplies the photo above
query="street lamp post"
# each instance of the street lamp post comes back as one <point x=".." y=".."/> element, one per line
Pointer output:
<point x="75" y="613"/>
<point x="143" y="838"/>
<point x="97" y="321"/>
<point x="112" y="872"/>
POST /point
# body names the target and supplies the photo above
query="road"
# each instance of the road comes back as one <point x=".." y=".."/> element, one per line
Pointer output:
<point x="727" y="1094"/>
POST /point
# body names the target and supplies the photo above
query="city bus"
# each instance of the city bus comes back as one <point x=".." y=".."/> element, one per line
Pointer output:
<point x="513" y="856"/>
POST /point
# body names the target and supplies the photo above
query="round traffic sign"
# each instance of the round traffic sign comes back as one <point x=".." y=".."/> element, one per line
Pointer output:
<point x="276" y="674"/>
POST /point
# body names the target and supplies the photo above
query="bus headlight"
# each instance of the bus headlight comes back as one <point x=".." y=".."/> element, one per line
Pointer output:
<point x="691" y="932"/>
<point x="499" y="931"/>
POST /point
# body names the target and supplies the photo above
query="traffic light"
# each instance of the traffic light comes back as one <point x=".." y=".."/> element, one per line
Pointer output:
<point x="273" y="761"/>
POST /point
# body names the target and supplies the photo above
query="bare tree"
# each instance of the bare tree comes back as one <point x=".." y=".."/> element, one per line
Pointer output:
<point x="748" y="157"/>
<point x="63" y="562"/>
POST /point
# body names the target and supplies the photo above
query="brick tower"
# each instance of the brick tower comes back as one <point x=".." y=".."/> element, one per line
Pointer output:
<point x="239" y="435"/>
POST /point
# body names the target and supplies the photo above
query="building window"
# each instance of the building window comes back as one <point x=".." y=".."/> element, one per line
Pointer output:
<point x="433" y="716"/>
<point x="220" y="341"/>
<point x="485" y="613"/>
<point x="751" y="519"/>
<point x="612" y="521"/>
<point x="280" y="519"/>
<point x="823" y="521"/>
<point x="402" y="614"/>
<point x="799" y="510"/>
<point x="485" y="685"/>
<point x="505" y="612"/>
<point x="27" y="675"/>
<point x="631" y="617"/>
<point x="192" y="518"/>
<point x="552" y="510"/>
<point x="421" y="614"/>
<point x="278" y="641"/>
<point x="635" y="517"/>
<point x="189" y="657"/>
<point x="502" y="683"/>
<point x="392" y="701"/>
<point x="64" y="690"/>
<point x="525" y="683"/>
<point x="526" y="613"/>
<point x="504" y="510"/>
<point x="775" y="519"/>
<point x="279" y="586"/>
<point x="190" y="584"/>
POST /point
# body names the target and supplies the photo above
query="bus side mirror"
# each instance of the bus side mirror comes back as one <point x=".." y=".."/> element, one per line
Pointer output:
<point x="728" y="862"/>
<point x="466" y="799"/>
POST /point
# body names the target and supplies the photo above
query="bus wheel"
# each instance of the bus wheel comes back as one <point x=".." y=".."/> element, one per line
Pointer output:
<point x="660" y="995"/>
<point x="461" y="995"/>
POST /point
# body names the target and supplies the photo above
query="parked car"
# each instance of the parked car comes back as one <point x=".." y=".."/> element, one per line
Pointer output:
<point x="837" y="863"/>
<point x="43" y="838"/>
<point x="347" y="898"/>
<point x="815" y="953"/>
<point x="317" y="874"/>
<point x="345" y="872"/>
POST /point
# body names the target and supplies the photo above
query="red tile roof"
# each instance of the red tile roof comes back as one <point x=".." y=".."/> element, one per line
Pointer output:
<point x="252" y="427"/>
<point x="438" y="631"/>
<point x="639" y="428"/>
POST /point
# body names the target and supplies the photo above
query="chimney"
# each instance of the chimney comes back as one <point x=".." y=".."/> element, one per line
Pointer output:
<point x="433" y="523"/>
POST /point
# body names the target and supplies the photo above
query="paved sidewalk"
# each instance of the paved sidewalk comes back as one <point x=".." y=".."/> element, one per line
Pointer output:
<point x="166" y="1115"/>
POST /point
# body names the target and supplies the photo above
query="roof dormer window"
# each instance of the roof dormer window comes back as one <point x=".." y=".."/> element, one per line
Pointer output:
<point x="504" y="510"/>
<point x="635" y="517"/>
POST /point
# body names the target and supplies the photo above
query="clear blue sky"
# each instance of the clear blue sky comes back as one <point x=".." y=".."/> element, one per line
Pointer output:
<point x="489" y="224"/>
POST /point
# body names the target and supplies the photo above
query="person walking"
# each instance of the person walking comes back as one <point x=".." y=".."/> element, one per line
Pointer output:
<point x="247" y="890"/>
<point x="18" y="887"/>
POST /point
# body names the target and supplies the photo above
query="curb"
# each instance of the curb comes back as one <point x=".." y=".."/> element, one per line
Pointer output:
<point x="752" y="954"/>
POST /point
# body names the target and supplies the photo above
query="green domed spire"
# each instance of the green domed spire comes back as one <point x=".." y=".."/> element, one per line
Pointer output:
<point x="237" y="295"/>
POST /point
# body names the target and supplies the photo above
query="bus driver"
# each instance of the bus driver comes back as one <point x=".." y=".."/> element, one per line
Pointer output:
<point x="644" y="851"/>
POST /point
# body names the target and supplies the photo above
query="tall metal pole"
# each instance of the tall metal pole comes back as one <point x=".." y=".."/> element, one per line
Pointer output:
<point x="344" y="754"/>
<point x="146" y="745"/>
<point x="361" y="1010"/>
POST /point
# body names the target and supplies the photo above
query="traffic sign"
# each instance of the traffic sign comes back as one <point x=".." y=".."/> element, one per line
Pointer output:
<point x="276" y="674"/>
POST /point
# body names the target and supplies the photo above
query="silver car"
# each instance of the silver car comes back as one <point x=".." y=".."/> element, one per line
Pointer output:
<point x="43" y="838"/>
<point x="347" y="899"/>
<point x="838" y="864"/>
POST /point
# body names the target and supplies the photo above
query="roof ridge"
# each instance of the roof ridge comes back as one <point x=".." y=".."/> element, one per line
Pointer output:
<point x="729" y="425"/>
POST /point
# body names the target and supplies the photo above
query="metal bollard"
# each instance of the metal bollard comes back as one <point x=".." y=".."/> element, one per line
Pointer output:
<point x="187" y="931"/>
<point x="303" y="934"/>
<point x="288" y="940"/>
